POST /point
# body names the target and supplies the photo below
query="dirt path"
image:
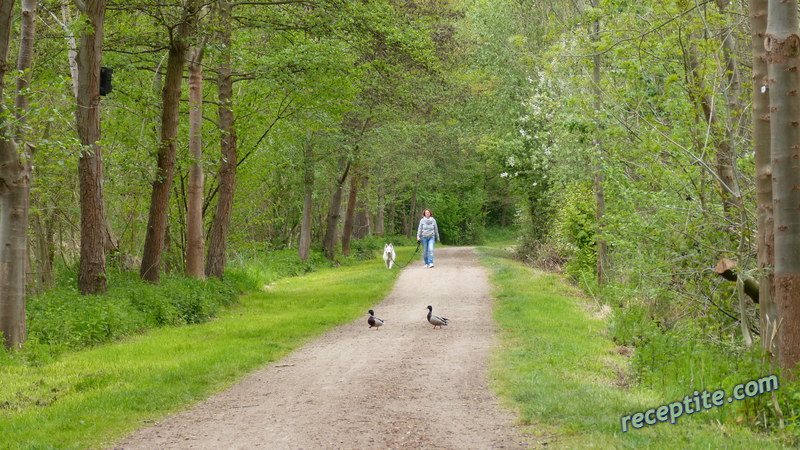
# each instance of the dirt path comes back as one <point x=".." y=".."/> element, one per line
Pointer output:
<point x="403" y="386"/>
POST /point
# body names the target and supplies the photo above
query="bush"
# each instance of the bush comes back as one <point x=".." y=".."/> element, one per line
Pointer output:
<point x="366" y="247"/>
<point x="64" y="319"/>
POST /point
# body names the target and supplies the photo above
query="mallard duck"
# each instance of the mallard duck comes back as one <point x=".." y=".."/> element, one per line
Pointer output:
<point x="436" y="321"/>
<point x="374" y="321"/>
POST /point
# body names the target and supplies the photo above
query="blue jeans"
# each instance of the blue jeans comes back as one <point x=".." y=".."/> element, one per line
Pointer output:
<point x="427" y="249"/>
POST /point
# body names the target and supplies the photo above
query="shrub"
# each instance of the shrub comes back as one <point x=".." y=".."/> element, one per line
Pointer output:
<point x="63" y="319"/>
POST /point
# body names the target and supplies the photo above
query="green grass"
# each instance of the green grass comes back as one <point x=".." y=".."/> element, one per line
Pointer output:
<point x="89" y="399"/>
<point x="559" y="370"/>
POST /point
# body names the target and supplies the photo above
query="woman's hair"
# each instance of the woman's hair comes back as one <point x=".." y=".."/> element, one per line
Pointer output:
<point x="426" y="209"/>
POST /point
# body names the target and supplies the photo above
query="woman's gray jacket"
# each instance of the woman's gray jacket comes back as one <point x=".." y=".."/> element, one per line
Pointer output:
<point x="427" y="228"/>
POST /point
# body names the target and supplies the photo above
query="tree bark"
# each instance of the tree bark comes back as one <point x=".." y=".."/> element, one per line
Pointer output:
<point x="15" y="176"/>
<point x="334" y="212"/>
<point x="195" y="245"/>
<point x="391" y="219"/>
<point x="783" y="57"/>
<point x="304" y="246"/>
<point x="761" y="145"/>
<point x="226" y="177"/>
<point x="410" y="222"/>
<point x="92" y="272"/>
<point x="45" y="251"/>
<point x="349" y="217"/>
<point x="165" y="171"/>
<point x="361" y="226"/>
<point x="380" y="215"/>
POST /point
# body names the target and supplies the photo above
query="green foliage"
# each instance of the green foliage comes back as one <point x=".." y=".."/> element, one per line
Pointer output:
<point x="556" y="358"/>
<point x="460" y="218"/>
<point x="575" y="229"/>
<point x="64" y="319"/>
<point x="366" y="247"/>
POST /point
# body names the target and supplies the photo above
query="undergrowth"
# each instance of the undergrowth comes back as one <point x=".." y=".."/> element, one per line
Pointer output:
<point x="561" y="368"/>
<point x="61" y="319"/>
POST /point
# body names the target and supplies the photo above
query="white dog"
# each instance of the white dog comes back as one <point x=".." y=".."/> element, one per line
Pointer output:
<point x="388" y="255"/>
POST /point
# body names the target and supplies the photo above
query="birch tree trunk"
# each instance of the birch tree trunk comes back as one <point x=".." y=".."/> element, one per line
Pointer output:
<point x="195" y="245"/>
<point x="783" y="56"/>
<point x="15" y="176"/>
<point x="761" y="145"/>
<point x="165" y="172"/>
<point x="226" y="177"/>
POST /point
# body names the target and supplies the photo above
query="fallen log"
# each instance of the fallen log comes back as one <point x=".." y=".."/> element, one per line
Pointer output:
<point x="726" y="269"/>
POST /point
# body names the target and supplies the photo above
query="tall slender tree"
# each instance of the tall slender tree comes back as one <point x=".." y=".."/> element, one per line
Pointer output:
<point x="761" y="145"/>
<point x="308" y="196"/>
<point x="334" y="211"/>
<point x="15" y="177"/>
<point x="783" y="67"/>
<point x="226" y="176"/>
<point x="599" y="178"/>
<point x="195" y="244"/>
<point x="162" y="185"/>
<point x="92" y="273"/>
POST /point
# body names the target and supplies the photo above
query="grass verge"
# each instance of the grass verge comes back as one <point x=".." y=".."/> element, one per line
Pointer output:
<point x="564" y="376"/>
<point x="92" y="398"/>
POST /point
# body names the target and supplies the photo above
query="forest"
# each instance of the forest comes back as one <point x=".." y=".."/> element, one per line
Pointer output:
<point x="646" y="150"/>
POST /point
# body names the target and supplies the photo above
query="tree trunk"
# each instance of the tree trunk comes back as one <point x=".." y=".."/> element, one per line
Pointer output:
<point x="349" y="217"/>
<point x="783" y="56"/>
<point x="334" y="212"/>
<point x="226" y="178"/>
<point x="45" y="252"/>
<point x="308" y="187"/>
<point x="390" y="220"/>
<point x="361" y="221"/>
<point x="195" y="245"/>
<point x="380" y="215"/>
<point x="14" y="189"/>
<point x="165" y="171"/>
<point x="72" y="53"/>
<point x="726" y="155"/>
<point x="761" y="145"/>
<point x="15" y="176"/>
<point x="411" y="220"/>
<point x="599" y="193"/>
<point x="92" y="272"/>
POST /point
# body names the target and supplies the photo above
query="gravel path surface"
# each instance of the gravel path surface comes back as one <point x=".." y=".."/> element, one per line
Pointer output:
<point x="405" y="385"/>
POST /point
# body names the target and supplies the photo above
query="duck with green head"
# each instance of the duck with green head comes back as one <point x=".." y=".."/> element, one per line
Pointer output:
<point x="436" y="321"/>
<point x="374" y="321"/>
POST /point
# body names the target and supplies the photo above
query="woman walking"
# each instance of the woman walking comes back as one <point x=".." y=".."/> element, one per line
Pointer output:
<point x="427" y="233"/>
